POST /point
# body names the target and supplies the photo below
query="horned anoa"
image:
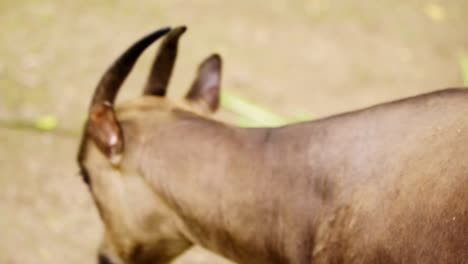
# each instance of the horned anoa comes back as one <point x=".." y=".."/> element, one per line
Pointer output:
<point x="386" y="184"/>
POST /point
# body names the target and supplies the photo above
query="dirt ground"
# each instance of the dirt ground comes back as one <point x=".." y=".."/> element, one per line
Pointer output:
<point x="321" y="57"/>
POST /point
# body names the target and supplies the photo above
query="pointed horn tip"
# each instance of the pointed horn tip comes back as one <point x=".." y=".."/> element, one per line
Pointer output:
<point x="160" y="32"/>
<point x="164" y="29"/>
<point x="179" y="30"/>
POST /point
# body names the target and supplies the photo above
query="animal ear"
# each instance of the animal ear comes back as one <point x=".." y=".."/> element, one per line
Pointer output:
<point x="102" y="125"/>
<point x="205" y="87"/>
<point x="105" y="131"/>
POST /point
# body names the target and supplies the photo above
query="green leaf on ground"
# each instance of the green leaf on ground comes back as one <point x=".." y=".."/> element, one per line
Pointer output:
<point x="46" y="123"/>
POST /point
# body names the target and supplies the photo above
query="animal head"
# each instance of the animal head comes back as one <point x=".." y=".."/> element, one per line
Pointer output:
<point x="138" y="226"/>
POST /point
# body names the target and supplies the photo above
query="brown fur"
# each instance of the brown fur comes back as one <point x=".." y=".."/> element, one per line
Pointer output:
<point x="387" y="184"/>
<point x="383" y="185"/>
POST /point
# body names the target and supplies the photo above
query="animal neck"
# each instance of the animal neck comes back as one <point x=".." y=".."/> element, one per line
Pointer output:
<point x="239" y="173"/>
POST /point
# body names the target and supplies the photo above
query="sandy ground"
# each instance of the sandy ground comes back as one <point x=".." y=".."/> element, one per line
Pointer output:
<point x="321" y="57"/>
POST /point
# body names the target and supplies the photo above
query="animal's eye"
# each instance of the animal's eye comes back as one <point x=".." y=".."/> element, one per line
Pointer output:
<point x="85" y="175"/>
<point x="102" y="259"/>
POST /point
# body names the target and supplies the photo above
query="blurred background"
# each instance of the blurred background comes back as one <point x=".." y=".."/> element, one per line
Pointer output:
<point x="283" y="61"/>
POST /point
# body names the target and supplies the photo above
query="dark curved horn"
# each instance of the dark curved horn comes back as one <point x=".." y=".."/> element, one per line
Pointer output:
<point x="113" y="78"/>
<point x="163" y="65"/>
